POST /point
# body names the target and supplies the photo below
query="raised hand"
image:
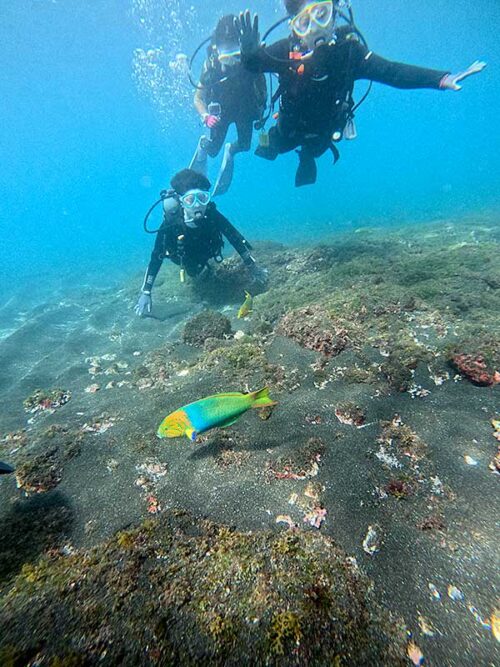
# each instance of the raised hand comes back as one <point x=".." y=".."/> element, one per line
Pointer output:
<point x="450" y="81"/>
<point x="248" y="30"/>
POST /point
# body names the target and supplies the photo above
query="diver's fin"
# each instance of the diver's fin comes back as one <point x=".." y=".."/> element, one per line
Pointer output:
<point x="226" y="172"/>
<point x="262" y="398"/>
<point x="200" y="158"/>
<point x="266" y="152"/>
<point x="306" y="171"/>
<point x="5" y="468"/>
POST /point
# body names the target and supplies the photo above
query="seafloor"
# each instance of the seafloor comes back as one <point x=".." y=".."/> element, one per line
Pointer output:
<point x="355" y="524"/>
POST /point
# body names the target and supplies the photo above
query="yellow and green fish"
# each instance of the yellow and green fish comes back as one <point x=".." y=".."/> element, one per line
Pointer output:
<point x="219" y="410"/>
<point x="246" y="306"/>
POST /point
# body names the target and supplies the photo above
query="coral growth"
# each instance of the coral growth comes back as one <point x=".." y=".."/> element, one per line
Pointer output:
<point x="350" y="413"/>
<point x="208" y="324"/>
<point x="475" y="369"/>
<point x="314" y="329"/>
<point x="46" y="400"/>
<point x="180" y="591"/>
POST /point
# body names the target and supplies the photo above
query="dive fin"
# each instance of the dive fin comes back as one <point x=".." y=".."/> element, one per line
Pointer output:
<point x="306" y="171"/>
<point x="226" y="172"/>
<point x="200" y="159"/>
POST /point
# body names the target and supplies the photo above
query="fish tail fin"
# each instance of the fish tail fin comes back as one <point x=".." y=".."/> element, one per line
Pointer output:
<point x="262" y="398"/>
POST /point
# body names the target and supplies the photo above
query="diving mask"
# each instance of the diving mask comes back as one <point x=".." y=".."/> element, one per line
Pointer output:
<point x="316" y="17"/>
<point x="228" y="56"/>
<point x="194" y="198"/>
<point x="194" y="203"/>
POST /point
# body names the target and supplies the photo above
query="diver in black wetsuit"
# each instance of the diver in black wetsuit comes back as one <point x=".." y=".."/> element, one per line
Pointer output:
<point x="227" y="93"/>
<point x="192" y="234"/>
<point x="317" y="67"/>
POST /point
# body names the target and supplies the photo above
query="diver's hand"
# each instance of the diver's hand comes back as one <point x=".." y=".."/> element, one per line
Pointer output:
<point x="143" y="305"/>
<point x="210" y="120"/>
<point x="259" y="275"/>
<point x="450" y="81"/>
<point x="248" y="33"/>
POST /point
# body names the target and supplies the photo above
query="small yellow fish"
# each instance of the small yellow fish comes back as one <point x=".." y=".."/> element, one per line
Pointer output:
<point x="246" y="306"/>
<point x="495" y="624"/>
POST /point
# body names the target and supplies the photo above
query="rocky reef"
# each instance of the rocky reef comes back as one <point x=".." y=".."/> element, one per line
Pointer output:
<point x="382" y="350"/>
<point x="194" y="592"/>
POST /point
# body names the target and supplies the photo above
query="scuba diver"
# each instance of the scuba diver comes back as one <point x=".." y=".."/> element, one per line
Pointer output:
<point x="192" y="234"/>
<point x="317" y="66"/>
<point x="227" y="93"/>
<point x="5" y="468"/>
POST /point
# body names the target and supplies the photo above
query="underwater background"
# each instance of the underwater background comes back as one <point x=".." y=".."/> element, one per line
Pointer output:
<point x="83" y="154"/>
<point x="355" y="522"/>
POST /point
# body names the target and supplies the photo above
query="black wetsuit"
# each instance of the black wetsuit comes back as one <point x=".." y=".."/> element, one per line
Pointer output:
<point x="314" y="92"/>
<point x="199" y="245"/>
<point x="242" y="96"/>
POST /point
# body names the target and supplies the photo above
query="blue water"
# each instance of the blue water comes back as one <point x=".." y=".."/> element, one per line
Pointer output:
<point x="83" y="153"/>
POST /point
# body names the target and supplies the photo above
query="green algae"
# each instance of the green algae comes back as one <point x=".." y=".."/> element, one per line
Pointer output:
<point x="207" y="324"/>
<point x="199" y="592"/>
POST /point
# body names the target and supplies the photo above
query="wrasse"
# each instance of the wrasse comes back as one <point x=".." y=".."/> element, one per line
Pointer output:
<point x="246" y="306"/>
<point x="219" y="410"/>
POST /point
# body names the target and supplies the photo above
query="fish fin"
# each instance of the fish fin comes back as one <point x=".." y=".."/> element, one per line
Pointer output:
<point x="248" y="295"/>
<point x="262" y="398"/>
<point x="228" y="422"/>
<point x="225" y="394"/>
<point x="191" y="434"/>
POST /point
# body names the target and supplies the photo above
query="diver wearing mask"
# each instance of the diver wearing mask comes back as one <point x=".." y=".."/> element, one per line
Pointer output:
<point x="192" y="234"/>
<point x="227" y="93"/>
<point x="317" y="67"/>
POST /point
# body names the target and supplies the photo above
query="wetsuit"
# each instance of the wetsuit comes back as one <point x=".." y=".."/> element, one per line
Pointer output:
<point x="315" y="91"/>
<point x="199" y="245"/>
<point x="242" y="96"/>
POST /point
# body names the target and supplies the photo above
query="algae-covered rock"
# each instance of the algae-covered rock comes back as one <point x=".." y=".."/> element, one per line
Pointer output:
<point x="46" y="400"/>
<point x="41" y="468"/>
<point x="181" y="591"/>
<point x="477" y="359"/>
<point x="208" y="324"/>
<point x="314" y="329"/>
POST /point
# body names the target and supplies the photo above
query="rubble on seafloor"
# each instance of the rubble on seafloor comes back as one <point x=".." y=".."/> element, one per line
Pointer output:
<point x="181" y="590"/>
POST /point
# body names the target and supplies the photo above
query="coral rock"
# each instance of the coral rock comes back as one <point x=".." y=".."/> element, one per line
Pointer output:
<point x="314" y="329"/>
<point x="208" y="324"/>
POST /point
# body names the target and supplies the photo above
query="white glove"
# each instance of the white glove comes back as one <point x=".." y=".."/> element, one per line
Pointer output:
<point x="450" y="81"/>
<point x="144" y="304"/>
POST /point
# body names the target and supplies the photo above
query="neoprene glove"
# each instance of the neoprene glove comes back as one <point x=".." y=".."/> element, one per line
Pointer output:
<point x="450" y="81"/>
<point x="210" y="120"/>
<point x="248" y="32"/>
<point x="143" y="305"/>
